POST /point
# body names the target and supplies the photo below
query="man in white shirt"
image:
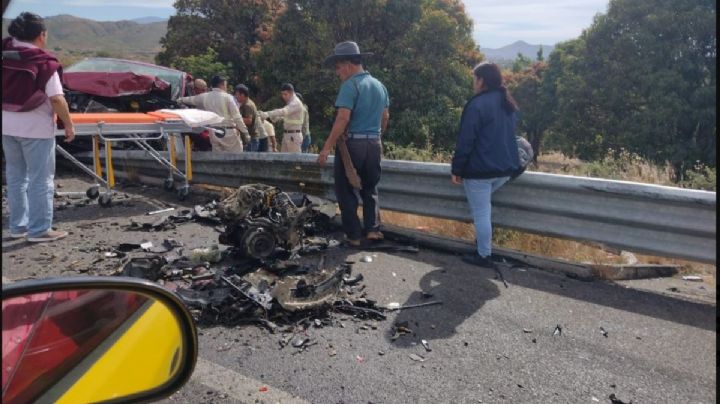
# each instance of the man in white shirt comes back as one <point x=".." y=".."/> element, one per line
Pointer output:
<point x="219" y="101"/>
<point x="30" y="102"/>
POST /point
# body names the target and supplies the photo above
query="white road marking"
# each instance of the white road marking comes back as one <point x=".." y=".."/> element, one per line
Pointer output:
<point x="238" y="386"/>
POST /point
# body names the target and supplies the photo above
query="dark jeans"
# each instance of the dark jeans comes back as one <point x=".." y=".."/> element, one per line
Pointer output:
<point x="365" y="155"/>
<point x="259" y="145"/>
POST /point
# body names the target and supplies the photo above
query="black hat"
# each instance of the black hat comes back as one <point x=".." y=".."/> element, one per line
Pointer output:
<point x="287" y="87"/>
<point x="345" y="50"/>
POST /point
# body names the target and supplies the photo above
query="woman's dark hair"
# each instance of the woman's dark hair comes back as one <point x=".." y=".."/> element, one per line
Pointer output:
<point x="27" y="27"/>
<point x="492" y="78"/>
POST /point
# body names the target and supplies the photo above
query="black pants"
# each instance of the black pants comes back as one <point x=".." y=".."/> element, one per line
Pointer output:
<point x="263" y="145"/>
<point x="365" y="155"/>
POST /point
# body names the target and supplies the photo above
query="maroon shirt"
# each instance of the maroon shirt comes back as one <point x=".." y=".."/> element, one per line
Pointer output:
<point x="25" y="72"/>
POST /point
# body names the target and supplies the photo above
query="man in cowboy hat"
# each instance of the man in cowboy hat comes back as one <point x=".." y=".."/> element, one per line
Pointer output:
<point x="362" y="116"/>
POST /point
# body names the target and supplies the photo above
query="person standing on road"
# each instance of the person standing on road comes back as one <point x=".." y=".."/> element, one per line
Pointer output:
<point x="220" y="102"/>
<point x="486" y="154"/>
<point x="32" y="95"/>
<point x="292" y="116"/>
<point x="249" y="112"/>
<point x="305" y="126"/>
<point x="362" y="116"/>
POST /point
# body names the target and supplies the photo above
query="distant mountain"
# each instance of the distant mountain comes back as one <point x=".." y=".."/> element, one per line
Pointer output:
<point x="73" y="38"/>
<point x="148" y="20"/>
<point x="510" y="52"/>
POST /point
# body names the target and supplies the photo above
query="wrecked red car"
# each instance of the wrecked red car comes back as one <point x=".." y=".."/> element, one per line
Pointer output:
<point x="117" y="85"/>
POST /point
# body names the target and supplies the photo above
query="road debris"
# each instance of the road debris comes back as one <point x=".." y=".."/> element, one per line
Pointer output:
<point x="557" y="331"/>
<point x="692" y="278"/>
<point x="426" y="345"/>
<point x="400" y="329"/>
<point x="366" y="259"/>
<point x="614" y="400"/>
<point x="155" y="212"/>
<point x="416" y="357"/>
<point x="603" y="332"/>
<point x="396" y="306"/>
<point x="527" y="330"/>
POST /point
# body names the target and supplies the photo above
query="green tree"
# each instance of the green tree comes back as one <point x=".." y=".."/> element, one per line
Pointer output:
<point x="203" y="66"/>
<point x="235" y="29"/>
<point x="540" y="57"/>
<point x="423" y="53"/>
<point x="643" y="77"/>
<point x="535" y="102"/>
<point x="521" y="63"/>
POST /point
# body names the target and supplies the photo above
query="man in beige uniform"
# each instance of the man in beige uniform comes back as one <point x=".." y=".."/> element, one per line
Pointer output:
<point x="219" y="101"/>
<point x="292" y="116"/>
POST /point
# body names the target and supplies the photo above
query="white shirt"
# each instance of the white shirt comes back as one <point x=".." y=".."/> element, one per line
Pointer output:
<point x="38" y="123"/>
<point x="223" y="104"/>
<point x="291" y="114"/>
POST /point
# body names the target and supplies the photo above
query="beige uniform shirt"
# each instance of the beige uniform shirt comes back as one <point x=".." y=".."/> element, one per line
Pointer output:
<point x="221" y="103"/>
<point x="291" y="115"/>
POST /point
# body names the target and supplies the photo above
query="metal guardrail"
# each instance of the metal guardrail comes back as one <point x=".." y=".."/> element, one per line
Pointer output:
<point x="657" y="220"/>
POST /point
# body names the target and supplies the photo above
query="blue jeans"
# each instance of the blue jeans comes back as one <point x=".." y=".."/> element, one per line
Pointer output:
<point x="30" y="171"/>
<point x="306" y="143"/>
<point x="259" y="145"/>
<point x="478" y="193"/>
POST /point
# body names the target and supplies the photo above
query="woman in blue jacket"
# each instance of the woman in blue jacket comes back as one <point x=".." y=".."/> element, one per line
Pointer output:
<point x="486" y="154"/>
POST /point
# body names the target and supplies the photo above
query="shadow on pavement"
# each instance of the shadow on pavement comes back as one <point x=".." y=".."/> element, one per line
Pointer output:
<point x="463" y="290"/>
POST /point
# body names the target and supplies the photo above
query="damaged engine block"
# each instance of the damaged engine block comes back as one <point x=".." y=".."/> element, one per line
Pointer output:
<point x="259" y="218"/>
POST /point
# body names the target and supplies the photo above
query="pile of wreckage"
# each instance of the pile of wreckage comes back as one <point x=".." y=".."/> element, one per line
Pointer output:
<point x="260" y="278"/>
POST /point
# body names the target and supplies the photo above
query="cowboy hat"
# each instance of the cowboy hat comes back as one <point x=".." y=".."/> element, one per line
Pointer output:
<point x="345" y="50"/>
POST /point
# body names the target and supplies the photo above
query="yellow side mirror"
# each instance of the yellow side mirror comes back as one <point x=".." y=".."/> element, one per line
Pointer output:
<point x="94" y="339"/>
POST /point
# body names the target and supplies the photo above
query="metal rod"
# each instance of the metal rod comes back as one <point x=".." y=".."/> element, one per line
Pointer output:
<point x="412" y="306"/>
<point x="80" y="165"/>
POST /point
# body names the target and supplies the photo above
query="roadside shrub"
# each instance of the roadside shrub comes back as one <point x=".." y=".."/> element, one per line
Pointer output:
<point x="700" y="177"/>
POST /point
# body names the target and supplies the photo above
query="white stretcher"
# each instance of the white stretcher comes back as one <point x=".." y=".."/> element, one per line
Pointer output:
<point x="139" y="128"/>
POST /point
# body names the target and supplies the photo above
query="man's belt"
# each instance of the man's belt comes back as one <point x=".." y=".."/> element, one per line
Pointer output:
<point x="293" y="131"/>
<point x="363" y="135"/>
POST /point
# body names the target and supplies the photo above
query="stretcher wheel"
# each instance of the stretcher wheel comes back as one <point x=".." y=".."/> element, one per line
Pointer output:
<point x="92" y="192"/>
<point x="169" y="184"/>
<point x="183" y="192"/>
<point x="105" y="200"/>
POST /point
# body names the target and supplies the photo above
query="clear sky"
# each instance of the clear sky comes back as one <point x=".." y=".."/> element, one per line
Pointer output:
<point x="497" y="22"/>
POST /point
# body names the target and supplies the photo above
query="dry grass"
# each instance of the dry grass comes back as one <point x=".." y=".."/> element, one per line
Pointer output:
<point x="618" y="165"/>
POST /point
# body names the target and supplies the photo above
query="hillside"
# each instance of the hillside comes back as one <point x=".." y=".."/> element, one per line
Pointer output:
<point x="73" y="38"/>
<point x="508" y="53"/>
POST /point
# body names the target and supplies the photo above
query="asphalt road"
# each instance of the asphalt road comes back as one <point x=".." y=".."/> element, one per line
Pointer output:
<point x="489" y="344"/>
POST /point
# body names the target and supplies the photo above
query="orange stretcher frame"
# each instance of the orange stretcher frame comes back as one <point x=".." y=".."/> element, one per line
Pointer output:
<point x="131" y="125"/>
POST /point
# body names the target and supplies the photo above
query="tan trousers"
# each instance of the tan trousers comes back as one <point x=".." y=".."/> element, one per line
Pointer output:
<point x="292" y="143"/>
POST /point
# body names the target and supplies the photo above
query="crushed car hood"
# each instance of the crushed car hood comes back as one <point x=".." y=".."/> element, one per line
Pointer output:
<point x="113" y="84"/>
